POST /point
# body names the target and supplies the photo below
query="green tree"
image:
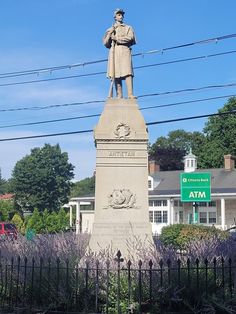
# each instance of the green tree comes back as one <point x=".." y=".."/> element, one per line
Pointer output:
<point x="35" y="222"/>
<point x="2" y="184"/>
<point x="48" y="222"/>
<point x="6" y="210"/>
<point x="83" y="187"/>
<point x="63" y="221"/>
<point x="169" y="151"/>
<point x="220" y="132"/>
<point x="169" y="158"/>
<point x="19" y="222"/>
<point x="42" y="179"/>
<point x="51" y="223"/>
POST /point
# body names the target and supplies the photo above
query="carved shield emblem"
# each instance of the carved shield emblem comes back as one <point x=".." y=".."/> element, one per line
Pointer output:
<point x="121" y="199"/>
<point x="122" y="130"/>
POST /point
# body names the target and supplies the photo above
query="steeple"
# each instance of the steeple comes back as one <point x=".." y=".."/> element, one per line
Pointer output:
<point x="190" y="162"/>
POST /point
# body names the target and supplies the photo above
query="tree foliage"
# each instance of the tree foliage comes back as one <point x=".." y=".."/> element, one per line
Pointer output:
<point x="6" y="210"/>
<point x="19" y="222"/>
<point x="220" y="132"/>
<point x="3" y="184"/>
<point x="42" y="179"/>
<point x="181" y="235"/>
<point x="83" y="187"/>
<point x="169" y="158"/>
<point x="47" y="222"/>
<point x="169" y="151"/>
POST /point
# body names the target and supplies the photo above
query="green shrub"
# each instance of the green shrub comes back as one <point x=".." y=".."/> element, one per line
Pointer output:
<point x="19" y="222"/>
<point x="48" y="222"/>
<point x="180" y="235"/>
<point x="6" y="209"/>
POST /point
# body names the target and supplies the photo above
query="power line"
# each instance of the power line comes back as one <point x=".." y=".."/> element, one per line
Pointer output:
<point x="188" y="102"/>
<point x="50" y="121"/>
<point x="53" y="106"/>
<point x="140" y="96"/>
<point x="89" y="131"/>
<point x="98" y="114"/>
<point x="186" y="59"/>
<point x="83" y="64"/>
<point x="104" y="72"/>
<point x="193" y="117"/>
<point x="188" y="90"/>
<point x="50" y="70"/>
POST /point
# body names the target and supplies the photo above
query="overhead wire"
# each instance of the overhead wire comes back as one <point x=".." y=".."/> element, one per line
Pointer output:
<point x="83" y="64"/>
<point x="104" y="72"/>
<point x="139" y="97"/>
<point x="90" y="130"/>
<point x="98" y="114"/>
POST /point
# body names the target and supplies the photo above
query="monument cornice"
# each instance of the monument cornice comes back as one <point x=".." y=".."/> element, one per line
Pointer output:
<point x="122" y="140"/>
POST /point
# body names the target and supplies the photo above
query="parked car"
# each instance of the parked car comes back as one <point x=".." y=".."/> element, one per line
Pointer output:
<point x="8" y="230"/>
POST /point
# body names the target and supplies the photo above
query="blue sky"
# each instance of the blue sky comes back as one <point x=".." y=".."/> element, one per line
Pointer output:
<point x="47" y="33"/>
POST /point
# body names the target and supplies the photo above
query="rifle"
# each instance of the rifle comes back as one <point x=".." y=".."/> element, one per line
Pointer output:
<point x="113" y="45"/>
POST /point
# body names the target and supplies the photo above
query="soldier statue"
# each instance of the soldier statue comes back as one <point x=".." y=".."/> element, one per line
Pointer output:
<point x="118" y="39"/>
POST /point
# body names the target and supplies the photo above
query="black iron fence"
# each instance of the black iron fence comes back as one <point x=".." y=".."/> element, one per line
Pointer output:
<point x="115" y="287"/>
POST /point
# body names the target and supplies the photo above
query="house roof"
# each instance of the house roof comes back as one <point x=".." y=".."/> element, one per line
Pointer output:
<point x="6" y="196"/>
<point x="168" y="182"/>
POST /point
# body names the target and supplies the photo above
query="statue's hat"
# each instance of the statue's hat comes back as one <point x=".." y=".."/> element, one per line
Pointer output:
<point x="119" y="11"/>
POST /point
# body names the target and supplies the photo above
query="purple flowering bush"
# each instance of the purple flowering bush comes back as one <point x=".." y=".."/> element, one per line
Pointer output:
<point x="63" y="246"/>
<point x="72" y="277"/>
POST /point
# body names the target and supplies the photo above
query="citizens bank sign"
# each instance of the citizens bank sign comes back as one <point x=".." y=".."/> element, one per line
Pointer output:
<point x="195" y="187"/>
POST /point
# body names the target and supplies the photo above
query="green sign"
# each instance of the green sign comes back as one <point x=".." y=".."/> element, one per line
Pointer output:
<point x="195" y="187"/>
<point x="30" y="233"/>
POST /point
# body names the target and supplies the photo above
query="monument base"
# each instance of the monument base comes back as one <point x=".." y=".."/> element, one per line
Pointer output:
<point x="124" y="237"/>
<point x="121" y="193"/>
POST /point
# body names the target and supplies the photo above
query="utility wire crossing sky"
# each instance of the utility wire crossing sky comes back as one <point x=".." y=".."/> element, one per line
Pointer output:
<point x="178" y="85"/>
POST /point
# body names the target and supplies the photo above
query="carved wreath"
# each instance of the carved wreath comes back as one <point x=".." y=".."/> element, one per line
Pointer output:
<point x="121" y="199"/>
<point x="122" y="130"/>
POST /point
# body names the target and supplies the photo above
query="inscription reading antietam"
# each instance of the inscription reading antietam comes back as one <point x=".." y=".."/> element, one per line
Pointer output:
<point x="121" y="154"/>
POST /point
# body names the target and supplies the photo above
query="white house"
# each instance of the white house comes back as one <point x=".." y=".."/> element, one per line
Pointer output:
<point x="165" y="207"/>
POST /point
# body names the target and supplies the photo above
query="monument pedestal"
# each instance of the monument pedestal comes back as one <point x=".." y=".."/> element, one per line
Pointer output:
<point x="121" y="194"/>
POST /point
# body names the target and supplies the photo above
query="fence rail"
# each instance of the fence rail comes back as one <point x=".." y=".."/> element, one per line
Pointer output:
<point x="116" y="287"/>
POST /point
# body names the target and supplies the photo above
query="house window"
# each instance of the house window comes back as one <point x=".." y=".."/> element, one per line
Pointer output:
<point x="161" y="203"/>
<point x="207" y="217"/>
<point x="157" y="216"/>
<point x="164" y="203"/>
<point x="179" y="217"/>
<point x="158" y="203"/>
<point x="178" y="203"/>
<point x="212" y="217"/>
<point x="151" y="216"/>
<point x="212" y="204"/>
<point x="164" y="216"/>
<point x="160" y="216"/>
<point x="149" y="184"/>
<point x="203" y="217"/>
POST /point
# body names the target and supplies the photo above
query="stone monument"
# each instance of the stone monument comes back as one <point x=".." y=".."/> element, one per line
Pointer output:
<point x="121" y="138"/>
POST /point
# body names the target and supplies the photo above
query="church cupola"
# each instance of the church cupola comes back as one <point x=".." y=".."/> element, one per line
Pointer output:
<point x="190" y="162"/>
